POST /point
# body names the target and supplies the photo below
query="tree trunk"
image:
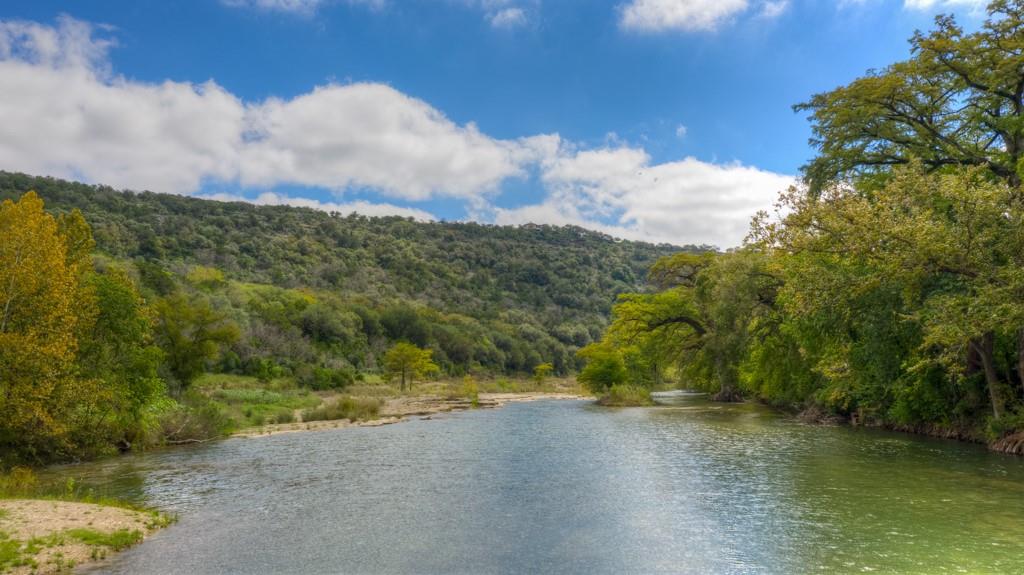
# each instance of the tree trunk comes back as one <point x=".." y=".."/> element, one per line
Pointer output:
<point x="985" y="346"/>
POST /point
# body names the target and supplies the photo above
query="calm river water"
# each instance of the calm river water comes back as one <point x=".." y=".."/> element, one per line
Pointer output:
<point x="566" y="487"/>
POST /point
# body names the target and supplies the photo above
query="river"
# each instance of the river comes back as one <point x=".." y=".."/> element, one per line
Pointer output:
<point x="568" y="487"/>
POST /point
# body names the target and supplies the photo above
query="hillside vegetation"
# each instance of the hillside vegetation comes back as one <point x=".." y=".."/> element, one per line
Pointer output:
<point x="144" y="293"/>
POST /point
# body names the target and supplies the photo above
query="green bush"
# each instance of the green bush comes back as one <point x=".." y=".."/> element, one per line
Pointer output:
<point x="353" y="408"/>
<point x="247" y="396"/>
<point x="195" y="419"/>
<point x="20" y="481"/>
<point x="626" y="395"/>
<point x="324" y="378"/>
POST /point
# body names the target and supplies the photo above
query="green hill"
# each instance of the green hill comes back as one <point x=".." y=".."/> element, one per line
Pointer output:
<point x="309" y="288"/>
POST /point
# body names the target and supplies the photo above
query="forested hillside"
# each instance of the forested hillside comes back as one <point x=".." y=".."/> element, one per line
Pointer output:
<point x="117" y="303"/>
<point x="502" y="299"/>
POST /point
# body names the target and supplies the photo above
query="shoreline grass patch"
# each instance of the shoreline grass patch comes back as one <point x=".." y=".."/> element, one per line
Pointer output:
<point x="351" y="408"/>
<point x="626" y="396"/>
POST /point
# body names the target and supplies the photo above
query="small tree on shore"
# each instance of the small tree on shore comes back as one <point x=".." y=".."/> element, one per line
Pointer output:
<point x="407" y="362"/>
<point x="541" y="372"/>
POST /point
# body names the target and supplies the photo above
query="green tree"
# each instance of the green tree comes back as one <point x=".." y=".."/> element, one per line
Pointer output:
<point x="604" y="367"/>
<point x="701" y="320"/>
<point x="541" y="372"/>
<point x="191" y="334"/>
<point x="407" y="362"/>
<point x="958" y="101"/>
<point x="950" y="248"/>
<point x="118" y="351"/>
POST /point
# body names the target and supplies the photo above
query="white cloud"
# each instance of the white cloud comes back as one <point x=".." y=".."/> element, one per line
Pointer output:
<point x="773" y="9"/>
<point x="681" y="131"/>
<point x="61" y="114"/>
<point x="685" y="15"/>
<point x="687" y="201"/>
<point x="345" y="208"/>
<point x="654" y="16"/>
<point x="64" y="113"/>
<point x="375" y="136"/>
<point x="503" y="13"/>
<point x="975" y="5"/>
<point x="508" y="18"/>
<point x="295" y="6"/>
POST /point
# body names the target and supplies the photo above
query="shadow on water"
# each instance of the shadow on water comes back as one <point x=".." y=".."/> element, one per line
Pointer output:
<point x="564" y="486"/>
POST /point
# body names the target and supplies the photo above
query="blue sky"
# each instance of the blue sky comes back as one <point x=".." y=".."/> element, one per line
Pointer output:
<point x="663" y="120"/>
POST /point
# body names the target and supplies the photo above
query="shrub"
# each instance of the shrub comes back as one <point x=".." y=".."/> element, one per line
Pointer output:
<point x="470" y="390"/>
<point x="604" y="368"/>
<point x="622" y="395"/>
<point x="20" y="481"/>
<point x="353" y="408"/>
<point x="195" y="419"/>
<point x="323" y="378"/>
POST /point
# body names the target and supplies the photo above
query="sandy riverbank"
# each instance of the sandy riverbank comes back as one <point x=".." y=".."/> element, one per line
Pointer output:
<point x="44" y="536"/>
<point x="398" y="409"/>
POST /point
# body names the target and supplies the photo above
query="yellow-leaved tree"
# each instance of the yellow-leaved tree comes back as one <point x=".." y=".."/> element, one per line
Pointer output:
<point x="42" y="306"/>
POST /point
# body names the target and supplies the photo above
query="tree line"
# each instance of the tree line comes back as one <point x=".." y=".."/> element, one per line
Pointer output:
<point x="113" y="304"/>
<point x="888" y="286"/>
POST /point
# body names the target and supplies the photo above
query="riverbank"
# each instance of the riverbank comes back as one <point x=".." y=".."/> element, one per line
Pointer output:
<point x="40" y="536"/>
<point x="398" y="409"/>
<point x="1012" y="444"/>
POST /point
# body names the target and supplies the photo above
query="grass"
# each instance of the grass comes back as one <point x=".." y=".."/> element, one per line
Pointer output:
<point x="457" y="387"/>
<point x="11" y="554"/>
<point x="117" y="540"/>
<point x="248" y="402"/>
<point x="15" y="553"/>
<point x="352" y="408"/>
<point x="626" y="396"/>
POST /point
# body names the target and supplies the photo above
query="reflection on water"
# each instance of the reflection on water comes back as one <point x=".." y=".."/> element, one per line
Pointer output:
<point x="562" y="486"/>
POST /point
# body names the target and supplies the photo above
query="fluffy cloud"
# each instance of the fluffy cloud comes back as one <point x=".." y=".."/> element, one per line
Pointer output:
<point x="503" y="13"/>
<point x="60" y="114"/>
<point x="976" y="5"/>
<point x="773" y="9"/>
<point x="360" y="207"/>
<point x="63" y="112"/>
<point x="653" y="16"/>
<point x="372" y="135"/>
<point x="508" y="18"/>
<point x="620" y="191"/>
<point x="294" y="6"/>
<point x="687" y="15"/>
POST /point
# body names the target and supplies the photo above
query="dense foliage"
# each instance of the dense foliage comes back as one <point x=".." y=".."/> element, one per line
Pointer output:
<point x="889" y="288"/>
<point x="112" y="304"/>
<point x="298" y="281"/>
<point x="77" y="365"/>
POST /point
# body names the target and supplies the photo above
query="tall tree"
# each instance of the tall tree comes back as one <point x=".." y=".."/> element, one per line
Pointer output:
<point x="40" y="316"/>
<point x="958" y="101"/>
<point x="191" y="334"/>
<point x="118" y="352"/>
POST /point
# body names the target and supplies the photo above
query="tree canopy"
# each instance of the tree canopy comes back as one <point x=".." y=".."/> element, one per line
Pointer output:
<point x="889" y="286"/>
<point x="406" y="362"/>
<point x="957" y="102"/>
